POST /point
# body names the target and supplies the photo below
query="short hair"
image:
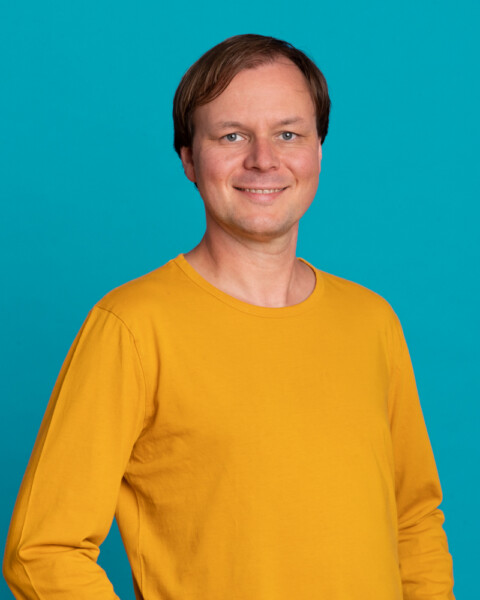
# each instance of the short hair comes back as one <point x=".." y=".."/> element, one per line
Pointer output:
<point x="209" y="76"/>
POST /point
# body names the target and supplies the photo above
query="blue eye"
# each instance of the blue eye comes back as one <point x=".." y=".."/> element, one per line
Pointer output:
<point x="288" y="135"/>
<point x="231" y="137"/>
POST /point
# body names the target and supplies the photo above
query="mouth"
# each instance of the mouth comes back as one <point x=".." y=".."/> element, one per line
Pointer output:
<point x="261" y="190"/>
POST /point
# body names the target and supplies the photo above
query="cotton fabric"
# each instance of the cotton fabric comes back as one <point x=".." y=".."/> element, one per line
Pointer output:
<point x="248" y="453"/>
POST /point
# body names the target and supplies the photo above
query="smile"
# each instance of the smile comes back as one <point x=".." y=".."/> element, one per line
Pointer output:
<point x="261" y="191"/>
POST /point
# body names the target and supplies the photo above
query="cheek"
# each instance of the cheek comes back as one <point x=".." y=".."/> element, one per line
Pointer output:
<point x="214" y="167"/>
<point x="306" y="165"/>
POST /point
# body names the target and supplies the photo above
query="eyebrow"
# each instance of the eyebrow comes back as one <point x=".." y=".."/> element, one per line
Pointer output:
<point x="229" y="124"/>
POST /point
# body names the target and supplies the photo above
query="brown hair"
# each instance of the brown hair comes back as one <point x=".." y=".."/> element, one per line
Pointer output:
<point x="207" y="78"/>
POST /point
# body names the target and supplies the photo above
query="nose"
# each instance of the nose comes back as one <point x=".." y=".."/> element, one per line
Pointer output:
<point x="262" y="155"/>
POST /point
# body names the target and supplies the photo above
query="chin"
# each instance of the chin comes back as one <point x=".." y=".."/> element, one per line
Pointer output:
<point x="263" y="230"/>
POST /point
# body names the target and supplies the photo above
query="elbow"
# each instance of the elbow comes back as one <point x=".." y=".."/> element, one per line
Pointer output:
<point x="16" y="569"/>
<point x="13" y="569"/>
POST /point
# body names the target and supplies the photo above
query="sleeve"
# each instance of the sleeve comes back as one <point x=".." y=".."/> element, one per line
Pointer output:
<point x="68" y="496"/>
<point x="425" y="563"/>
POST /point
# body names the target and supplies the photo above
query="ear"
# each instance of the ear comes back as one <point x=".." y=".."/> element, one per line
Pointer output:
<point x="187" y="162"/>
<point x="319" y="155"/>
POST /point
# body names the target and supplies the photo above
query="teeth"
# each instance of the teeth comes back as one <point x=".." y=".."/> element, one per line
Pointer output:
<point x="255" y="191"/>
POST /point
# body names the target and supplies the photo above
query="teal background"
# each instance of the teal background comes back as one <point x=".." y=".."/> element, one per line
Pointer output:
<point x="92" y="193"/>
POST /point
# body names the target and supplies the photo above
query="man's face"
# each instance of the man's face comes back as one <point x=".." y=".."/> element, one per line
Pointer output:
<point x="256" y="154"/>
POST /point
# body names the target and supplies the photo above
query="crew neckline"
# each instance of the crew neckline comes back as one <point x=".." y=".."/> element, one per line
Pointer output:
<point x="254" y="309"/>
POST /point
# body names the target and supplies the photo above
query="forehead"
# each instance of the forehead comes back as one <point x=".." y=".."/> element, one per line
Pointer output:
<point x="275" y="89"/>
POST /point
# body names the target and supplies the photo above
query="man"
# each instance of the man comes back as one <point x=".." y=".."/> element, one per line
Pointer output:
<point x="252" y="422"/>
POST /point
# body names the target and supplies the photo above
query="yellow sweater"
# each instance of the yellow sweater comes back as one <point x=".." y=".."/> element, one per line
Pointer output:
<point x="248" y="453"/>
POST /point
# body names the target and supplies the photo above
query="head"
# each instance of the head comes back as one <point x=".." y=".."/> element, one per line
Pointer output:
<point x="212" y="73"/>
<point x="250" y="117"/>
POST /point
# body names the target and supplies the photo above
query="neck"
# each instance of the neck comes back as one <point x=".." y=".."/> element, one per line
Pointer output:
<point x="259" y="273"/>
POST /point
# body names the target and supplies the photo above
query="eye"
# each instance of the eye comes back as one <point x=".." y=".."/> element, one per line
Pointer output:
<point x="288" y="135"/>
<point x="232" y="137"/>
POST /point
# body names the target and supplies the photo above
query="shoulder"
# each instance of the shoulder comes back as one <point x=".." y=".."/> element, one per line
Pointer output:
<point x="351" y="291"/>
<point x="355" y="301"/>
<point x="147" y="295"/>
<point x="361" y="315"/>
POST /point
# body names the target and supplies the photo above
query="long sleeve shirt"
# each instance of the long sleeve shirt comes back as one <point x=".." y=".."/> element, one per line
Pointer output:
<point x="248" y="453"/>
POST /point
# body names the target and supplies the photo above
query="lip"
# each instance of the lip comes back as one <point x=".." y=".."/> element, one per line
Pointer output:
<point x="261" y="194"/>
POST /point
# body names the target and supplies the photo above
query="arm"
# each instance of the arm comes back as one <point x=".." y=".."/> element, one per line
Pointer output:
<point x="425" y="563"/>
<point x="67" y="500"/>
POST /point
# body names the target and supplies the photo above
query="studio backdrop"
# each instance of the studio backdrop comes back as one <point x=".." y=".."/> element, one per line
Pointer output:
<point x="92" y="193"/>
